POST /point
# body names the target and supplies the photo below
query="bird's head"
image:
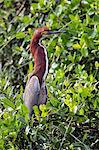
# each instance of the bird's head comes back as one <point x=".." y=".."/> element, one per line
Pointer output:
<point x="39" y="32"/>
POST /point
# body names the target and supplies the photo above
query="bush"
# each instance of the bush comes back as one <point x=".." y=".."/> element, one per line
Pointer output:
<point x="69" y="120"/>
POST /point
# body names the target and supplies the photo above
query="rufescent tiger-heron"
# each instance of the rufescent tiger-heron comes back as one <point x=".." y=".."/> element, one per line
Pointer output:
<point x="35" y="91"/>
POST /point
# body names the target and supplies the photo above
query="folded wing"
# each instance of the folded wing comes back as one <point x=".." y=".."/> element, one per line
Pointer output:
<point x="32" y="93"/>
<point x="43" y="94"/>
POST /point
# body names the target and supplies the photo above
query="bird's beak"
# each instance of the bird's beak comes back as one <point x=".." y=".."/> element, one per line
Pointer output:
<point x="55" y="32"/>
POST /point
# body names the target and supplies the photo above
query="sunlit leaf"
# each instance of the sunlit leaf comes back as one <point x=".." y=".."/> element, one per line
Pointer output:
<point x="8" y="102"/>
<point x="76" y="46"/>
<point x="20" y="35"/>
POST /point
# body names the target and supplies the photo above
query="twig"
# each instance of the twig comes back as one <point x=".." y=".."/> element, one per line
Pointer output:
<point x="21" y="8"/>
<point x="95" y="143"/>
<point x="65" y="134"/>
<point x="79" y="141"/>
<point x="7" y="42"/>
<point x="19" y="11"/>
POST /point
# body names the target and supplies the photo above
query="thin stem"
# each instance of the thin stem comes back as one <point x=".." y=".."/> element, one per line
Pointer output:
<point x="7" y="43"/>
<point x="86" y="148"/>
<point x="63" y="139"/>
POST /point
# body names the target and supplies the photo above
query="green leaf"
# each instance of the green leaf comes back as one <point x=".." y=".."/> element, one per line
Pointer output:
<point x="84" y="39"/>
<point x="7" y="102"/>
<point x="59" y="9"/>
<point x="1" y="143"/>
<point x="60" y="74"/>
<point x="30" y="67"/>
<point x="20" y="35"/>
<point x="54" y="102"/>
<point x="36" y="111"/>
<point x="84" y="52"/>
<point x="81" y="111"/>
<point x="33" y="7"/>
<point x="58" y="51"/>
<point x="96" y="64"/>
<point x="76" y="46"/>
<point x="26" y="19"/>
<point x="42" y="107"/>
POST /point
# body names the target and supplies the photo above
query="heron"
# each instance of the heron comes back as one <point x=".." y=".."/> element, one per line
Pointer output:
<point x="36" y="91"/>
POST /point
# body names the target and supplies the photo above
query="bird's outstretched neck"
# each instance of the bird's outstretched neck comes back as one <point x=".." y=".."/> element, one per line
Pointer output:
<point x="40" y="58"/>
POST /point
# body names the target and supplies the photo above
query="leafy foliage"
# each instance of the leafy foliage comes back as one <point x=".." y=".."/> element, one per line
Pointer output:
<point x="70" y="118"/>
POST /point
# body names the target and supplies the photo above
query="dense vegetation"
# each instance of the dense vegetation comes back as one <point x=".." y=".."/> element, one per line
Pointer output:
<point x="70" y="119"/>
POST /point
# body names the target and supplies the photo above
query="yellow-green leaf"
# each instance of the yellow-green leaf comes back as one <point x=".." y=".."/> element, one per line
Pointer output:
<point x="20" y="35"/>
<point x="76" y="46"/>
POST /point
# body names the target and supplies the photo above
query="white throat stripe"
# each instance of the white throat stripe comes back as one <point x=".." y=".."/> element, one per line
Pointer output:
<point x="46" y="70"/>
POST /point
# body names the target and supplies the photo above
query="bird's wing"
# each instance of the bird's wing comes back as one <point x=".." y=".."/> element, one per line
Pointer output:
<point x="32" y="92"/>
<point x="43" y="94"/>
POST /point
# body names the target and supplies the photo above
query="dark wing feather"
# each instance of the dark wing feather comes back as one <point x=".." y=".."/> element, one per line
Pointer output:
<point x="43" y="94"/>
